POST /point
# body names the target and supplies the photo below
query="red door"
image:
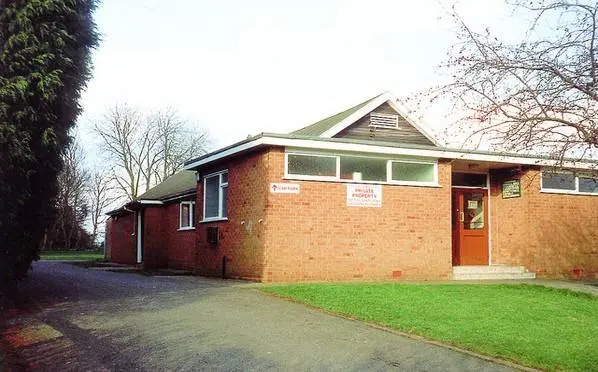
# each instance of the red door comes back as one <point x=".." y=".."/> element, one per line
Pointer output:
<point x="470" y="227"/>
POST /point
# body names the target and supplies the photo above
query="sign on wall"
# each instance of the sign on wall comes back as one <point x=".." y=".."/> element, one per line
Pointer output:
<point x="511" y="189"/>
<point x="360" y="195"/>
<point x="285" y="188"/>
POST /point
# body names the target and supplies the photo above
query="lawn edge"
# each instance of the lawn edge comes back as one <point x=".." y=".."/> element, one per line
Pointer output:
<point x="413" y="336"/>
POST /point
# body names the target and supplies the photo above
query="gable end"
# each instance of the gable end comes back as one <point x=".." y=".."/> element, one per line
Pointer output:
<point x="380" y="125"/>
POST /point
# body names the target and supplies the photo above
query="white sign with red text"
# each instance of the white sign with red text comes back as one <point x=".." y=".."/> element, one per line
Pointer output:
<point x="362" y="195"/>
<point x="285" y="188"/>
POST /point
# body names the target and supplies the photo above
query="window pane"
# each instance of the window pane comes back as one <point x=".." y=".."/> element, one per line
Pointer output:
<point x="473" y="211"/>
<point x="211" y="196"/>
<point x="225" y="177"/>
<point x="185" y="214"/>
<point x="363" y="169"/>
<point x="416" y="172"/>
<point x="225" y="201"/>
<point x="308" y="165"/>
<point x="469" y="179"/>
<point x="587" y="184"/>
<point x="559" y="181"/>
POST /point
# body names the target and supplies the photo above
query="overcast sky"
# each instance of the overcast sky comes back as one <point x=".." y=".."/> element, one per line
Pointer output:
<point x="244" y="67"/>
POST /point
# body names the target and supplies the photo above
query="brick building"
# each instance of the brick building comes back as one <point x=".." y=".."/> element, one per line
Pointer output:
<point x="365" y="194"/>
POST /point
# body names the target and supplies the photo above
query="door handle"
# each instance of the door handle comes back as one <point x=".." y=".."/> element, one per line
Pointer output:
<point x="462" y="216"/>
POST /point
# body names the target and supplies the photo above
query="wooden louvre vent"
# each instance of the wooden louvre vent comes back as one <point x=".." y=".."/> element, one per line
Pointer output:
<point x="387" y="121"/>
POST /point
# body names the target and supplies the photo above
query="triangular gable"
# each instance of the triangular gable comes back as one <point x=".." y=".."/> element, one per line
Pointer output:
<point x="358" y="125"/>
<point x="318" y="128"/>
<point x="354" y="123"/>
<point x="385" y="124"/>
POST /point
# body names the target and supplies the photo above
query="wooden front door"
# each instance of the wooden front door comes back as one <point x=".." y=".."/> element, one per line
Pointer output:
<point x="470" y="227"/>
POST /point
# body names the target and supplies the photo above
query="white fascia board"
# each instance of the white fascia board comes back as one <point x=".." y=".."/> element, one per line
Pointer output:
<point x="146" y="201"/>
<point x="337" y="128"/>
<point x="223" y="154"/>
<point x="374" y="149"/>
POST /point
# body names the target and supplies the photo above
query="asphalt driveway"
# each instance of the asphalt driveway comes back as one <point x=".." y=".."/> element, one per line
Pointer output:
<point x="72" y="318"/>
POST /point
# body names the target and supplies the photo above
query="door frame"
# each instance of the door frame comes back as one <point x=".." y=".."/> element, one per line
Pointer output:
<point x="139" y="240"/>
<point x="489" y="220"/>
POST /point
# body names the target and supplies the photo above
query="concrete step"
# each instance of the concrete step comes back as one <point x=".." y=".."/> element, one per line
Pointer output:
<point x="495" y="276"/>
<point x="479" y="269"/>
<point x="492" y="272"/>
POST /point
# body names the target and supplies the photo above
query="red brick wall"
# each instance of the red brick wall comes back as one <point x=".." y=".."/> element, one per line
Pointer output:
<point x="163" y="244"/>
<point x="242" y="236"/>
<point x="180" y="245"/>
<point x="314" y="236"/>
<point x="555" y="235"/>
<point x="122" y="239"/>
<point x="155" y="246"/>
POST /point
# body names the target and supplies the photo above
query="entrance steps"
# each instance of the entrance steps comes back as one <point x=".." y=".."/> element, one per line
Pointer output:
<point x="491" y="272"/>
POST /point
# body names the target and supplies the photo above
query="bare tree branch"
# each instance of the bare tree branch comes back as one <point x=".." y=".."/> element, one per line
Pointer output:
<point x="537" y="95"/>
<point x="101" y="196"/>
<point x="145" y="150"/>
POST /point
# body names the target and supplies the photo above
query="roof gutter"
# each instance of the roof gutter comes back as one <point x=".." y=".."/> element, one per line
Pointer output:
<point x="180" y="196"/>
<point x="150" y="202"/>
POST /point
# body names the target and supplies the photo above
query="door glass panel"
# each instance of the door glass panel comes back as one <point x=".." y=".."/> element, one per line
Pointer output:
<point x="473" y="211"/>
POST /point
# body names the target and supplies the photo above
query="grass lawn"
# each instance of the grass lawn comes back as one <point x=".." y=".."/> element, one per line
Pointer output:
<point x="72" y="255"/>
<point x="533" y="325"/>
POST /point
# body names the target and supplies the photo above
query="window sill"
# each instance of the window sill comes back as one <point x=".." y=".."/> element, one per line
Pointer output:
<point x="186" y="228"/>
<point x="215" y="219"/>
<point x="567" y="192"/>
<point x="392" y="183"/>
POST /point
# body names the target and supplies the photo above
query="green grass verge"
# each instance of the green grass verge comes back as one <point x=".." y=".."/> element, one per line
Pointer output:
<point x="533" y="325"/>
<point x="72" y="256"/>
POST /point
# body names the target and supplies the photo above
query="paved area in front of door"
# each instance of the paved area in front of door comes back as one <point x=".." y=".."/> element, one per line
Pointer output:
<point x="78" y="319"/>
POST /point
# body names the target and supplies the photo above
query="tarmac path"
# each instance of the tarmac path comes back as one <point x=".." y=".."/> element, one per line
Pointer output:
<point x="73" y="319"/>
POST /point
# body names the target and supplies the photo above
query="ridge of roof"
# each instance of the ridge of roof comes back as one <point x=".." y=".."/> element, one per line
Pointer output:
<point x="319" y="127"/>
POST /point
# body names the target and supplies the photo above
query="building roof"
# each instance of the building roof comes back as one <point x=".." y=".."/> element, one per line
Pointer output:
<point x="179" y="183"/>
<point x="318" y="128"/>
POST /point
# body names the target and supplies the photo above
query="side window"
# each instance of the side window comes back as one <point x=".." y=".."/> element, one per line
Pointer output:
<point x="215" y="196"/>
<point x="558" y="181"/>
<point x="186" y="215"/>
<point x="413" y="172"/>
<point x="568" y="182"/>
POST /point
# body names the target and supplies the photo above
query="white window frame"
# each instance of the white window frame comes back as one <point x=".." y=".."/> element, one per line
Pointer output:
<point x="308" y="177"/>
<point x="434" y="182"/>
<point x="337" y="178"/>
<point x="562" y="191"/>
<point x="191" y="221"/>
<point x="221" y="185"/>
